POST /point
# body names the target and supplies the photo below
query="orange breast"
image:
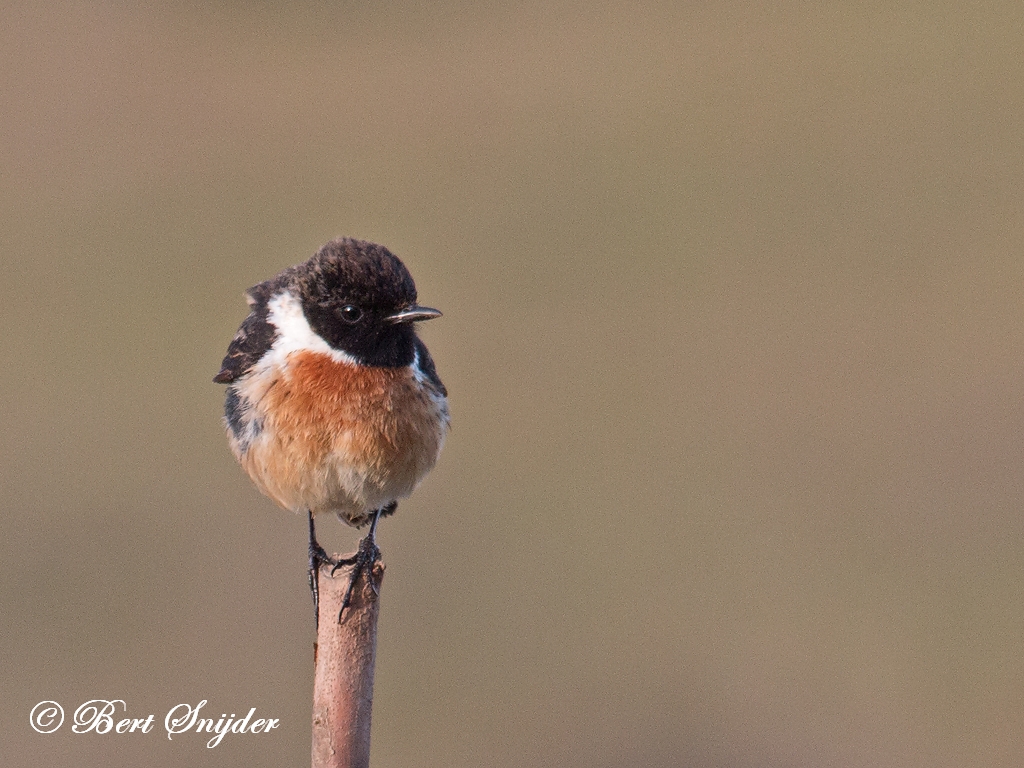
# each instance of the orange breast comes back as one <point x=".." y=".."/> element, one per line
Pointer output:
<point x="342" y="438"/>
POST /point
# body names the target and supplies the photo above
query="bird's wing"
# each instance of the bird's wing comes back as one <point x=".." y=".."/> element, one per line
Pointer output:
<point x="253" y="339"/>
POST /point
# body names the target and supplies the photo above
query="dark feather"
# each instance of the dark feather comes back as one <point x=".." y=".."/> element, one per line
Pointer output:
<point x="426" y="364"/>
<point x="254" y="337"/>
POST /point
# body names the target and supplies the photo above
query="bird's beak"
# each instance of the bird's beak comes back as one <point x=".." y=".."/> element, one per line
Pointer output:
<point x="413" y="315"/>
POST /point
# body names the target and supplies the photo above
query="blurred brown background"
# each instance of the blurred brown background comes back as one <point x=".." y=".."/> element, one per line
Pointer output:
<point x="733" y="332"/>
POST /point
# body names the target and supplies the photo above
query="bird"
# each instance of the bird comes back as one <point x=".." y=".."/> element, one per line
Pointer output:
<point x="333" y="403"/>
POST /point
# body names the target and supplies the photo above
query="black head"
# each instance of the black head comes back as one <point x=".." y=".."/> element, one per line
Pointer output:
<point x="360" y="299"/>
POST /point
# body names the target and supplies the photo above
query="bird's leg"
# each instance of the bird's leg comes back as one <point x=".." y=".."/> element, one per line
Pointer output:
<point x="317" y="557"/>
<point x="364" y="558"/>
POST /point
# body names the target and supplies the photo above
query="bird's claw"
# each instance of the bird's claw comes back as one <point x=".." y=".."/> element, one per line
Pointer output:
<point x="363" y="560"/>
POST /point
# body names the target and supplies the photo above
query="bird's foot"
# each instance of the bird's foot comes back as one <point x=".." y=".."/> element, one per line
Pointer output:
<point x="317" y="557"/>
<point x="362" y="561"/>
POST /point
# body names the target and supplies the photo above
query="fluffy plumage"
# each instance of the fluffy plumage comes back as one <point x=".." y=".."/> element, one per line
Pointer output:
<point x="326" y="413"/>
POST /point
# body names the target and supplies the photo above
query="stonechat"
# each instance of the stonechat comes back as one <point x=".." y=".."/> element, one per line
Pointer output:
<point x="333" y="402"/>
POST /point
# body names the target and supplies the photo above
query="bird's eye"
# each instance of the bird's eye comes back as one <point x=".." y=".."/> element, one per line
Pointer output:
<point x="351" y="314"/>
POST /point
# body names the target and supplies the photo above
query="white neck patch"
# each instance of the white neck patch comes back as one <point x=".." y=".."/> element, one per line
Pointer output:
<point x="294" y="333"/>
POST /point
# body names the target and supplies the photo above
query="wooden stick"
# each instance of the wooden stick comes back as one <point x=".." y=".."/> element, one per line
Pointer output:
<point x="344" y="658"/>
